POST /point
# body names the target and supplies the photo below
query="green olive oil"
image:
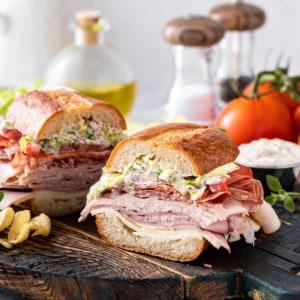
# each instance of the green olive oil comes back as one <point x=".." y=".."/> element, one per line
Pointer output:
<point x="120" y="95"/>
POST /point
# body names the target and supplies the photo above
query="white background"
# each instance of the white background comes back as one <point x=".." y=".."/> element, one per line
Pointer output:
<point x="136" y="30"/>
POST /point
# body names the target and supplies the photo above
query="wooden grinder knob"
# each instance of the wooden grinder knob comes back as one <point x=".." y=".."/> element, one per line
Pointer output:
<point x="193" y="31"/>
<point x="238" y="16"/>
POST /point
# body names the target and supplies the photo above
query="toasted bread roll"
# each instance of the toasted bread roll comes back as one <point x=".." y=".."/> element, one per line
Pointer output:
<point x="191" y="149"/>
<point x="42" y="114"/>
<point x="172" y="190"/>
<point x="54" y="144"/>
<point x="116" y="233"/>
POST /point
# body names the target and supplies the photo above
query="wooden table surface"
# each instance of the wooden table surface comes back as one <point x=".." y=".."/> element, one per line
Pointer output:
<point x="73" y="263"/>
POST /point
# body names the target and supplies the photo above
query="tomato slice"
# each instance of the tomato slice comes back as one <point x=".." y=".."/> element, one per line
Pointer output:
<point x="33" y="149"/>
<point x="219" y="187"/>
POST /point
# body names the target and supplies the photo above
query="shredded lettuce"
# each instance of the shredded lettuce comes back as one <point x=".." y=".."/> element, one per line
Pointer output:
<point x="24" y="140"/>
<point x="149" y="170"/>
<point x="114" y="138"/>
<point x="7" y="96"/>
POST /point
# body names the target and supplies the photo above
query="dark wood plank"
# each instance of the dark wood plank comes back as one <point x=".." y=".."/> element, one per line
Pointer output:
<point x="273" y="272"/>
<point x="287" y="217"/>
<point x="284" y="243"/>
<point x="200" y="280"/>
<point x="73" y="263"/>
<point x="268" y="276"/>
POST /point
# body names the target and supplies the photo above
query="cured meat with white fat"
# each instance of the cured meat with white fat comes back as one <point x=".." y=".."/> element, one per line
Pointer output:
<point x="161" y="204"/>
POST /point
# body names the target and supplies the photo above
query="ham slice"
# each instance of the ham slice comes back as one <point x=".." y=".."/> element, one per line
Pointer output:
<point x="168" y="233"/>
<point x="222" y="213"/>
<point x="71" y="174"/>
<point x="8" y="175"/>
<point x="69" y="171"/>
<point x="210" y="217"/>
<point x="203" y="215"/>
<point x="14" y="197"/>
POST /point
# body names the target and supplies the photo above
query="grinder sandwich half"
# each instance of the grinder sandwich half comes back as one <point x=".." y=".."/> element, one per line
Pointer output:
<point x="53" y="144"/>
<point x="173" y="189"/>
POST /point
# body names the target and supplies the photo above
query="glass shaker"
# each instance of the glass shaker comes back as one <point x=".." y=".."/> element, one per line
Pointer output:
<point x="235" y="69"/>
<point x="93" y="67"/>
<point x="191" y="95"/>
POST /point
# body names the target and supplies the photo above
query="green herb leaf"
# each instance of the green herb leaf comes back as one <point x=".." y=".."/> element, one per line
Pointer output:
<point x="279" y="194"/>
<point x="1" y="195"/>
<point x="273" y="183"/>
<point x="289" y="204"/>
<point x="271" y="199"/>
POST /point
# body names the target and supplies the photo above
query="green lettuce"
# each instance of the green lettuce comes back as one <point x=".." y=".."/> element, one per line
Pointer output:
<point x="7" y="96"/>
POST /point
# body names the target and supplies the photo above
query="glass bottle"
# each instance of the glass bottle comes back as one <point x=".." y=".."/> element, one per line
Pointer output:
<point x="192" y="95"/>
<point x="93" y="67"/>
<point x="235" y="70"/>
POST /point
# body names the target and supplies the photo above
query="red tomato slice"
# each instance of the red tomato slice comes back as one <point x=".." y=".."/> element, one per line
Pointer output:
<point x="33" y="149"/>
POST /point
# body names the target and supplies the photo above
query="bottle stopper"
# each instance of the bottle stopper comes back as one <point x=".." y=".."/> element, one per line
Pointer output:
<point x="193" y="30"/>
<point x="88" y="21"/>
<point x="87" y="17"/>
<point x="238" y="16"/>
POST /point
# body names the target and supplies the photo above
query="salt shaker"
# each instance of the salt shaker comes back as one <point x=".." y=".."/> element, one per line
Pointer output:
<point x="192" y="95"/>
<point x="235" y="70"/>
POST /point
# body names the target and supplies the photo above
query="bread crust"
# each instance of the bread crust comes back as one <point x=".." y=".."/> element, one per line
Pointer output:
<point x="34" y="111"/>
<point x="69" y="204"/>
<point x="115" y="233"/>
<point x="201" y="148"/>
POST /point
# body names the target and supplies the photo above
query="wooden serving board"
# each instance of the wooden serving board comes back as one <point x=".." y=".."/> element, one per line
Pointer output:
<point x="73" y="263"/>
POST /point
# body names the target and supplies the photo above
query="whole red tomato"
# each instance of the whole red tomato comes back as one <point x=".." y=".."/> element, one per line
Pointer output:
<point x="267" y="88"/>
<point x="245" y="120"/>
<point x="296" y="118"/>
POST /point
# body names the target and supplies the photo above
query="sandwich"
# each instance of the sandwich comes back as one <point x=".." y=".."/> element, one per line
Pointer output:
<point x="53" y="145"/>
<point x="172" y="190"/>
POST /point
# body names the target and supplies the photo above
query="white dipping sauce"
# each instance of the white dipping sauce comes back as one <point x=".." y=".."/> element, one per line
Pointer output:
<point x="269" y="153"/>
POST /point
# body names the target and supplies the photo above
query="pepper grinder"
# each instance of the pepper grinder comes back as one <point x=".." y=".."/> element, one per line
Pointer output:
<point x="192" y="95"/>
<point x="235" y="72"/>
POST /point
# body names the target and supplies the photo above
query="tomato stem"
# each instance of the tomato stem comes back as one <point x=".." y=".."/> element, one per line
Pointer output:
<point x="280" y="81"/>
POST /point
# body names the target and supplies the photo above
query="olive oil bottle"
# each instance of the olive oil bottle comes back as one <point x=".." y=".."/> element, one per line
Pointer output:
<point x="93" y="67"/>
<point x="121" y="95"/>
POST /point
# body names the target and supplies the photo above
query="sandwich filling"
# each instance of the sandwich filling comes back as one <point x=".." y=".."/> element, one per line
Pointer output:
<point x="151" y="197"/>
<point x="70" y="160"/>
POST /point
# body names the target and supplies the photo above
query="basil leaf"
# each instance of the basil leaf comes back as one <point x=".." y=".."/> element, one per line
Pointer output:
<point x="271" y="199"/>
<point x="273" y="183"/>
<point x="289" y="204"/>
<point x="1" y="195"/>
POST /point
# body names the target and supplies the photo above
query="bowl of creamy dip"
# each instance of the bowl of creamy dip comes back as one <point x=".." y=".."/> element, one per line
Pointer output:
<point x="274" y="157"/>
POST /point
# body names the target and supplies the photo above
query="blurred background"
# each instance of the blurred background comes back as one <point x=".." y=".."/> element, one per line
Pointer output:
<point x="33" y="31"/>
